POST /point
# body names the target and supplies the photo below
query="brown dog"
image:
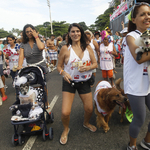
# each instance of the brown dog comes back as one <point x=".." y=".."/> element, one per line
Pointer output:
<point x="127" y="104"/>
<point x="106" y="98"/>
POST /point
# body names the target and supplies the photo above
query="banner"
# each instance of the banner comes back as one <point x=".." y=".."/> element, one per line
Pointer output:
<point x="123" y="7"/>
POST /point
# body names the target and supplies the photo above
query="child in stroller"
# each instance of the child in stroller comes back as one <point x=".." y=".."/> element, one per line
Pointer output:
<point x="29" y="110"/>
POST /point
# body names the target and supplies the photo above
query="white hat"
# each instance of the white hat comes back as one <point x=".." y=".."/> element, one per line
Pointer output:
<point x="21" y="80"/>
<point x="124" y="30"/>
<point x="88" y="32"/>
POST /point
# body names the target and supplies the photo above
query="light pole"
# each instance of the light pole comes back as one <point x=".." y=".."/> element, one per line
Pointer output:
<point x="48" y="3"/>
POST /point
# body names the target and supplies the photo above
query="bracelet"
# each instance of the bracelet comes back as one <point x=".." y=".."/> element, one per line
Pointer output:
<point x="61" y="71"/>
<point x="20" y="66"/>
<point x="36" y="37"/>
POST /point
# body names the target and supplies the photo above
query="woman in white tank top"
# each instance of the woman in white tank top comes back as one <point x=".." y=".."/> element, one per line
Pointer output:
<point x="78" y="62"/>
<point x="94" y="45"/>
<point x="136" y="82"/>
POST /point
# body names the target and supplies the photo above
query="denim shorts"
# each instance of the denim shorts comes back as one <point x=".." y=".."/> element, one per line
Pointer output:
<point x="82" y="87"/>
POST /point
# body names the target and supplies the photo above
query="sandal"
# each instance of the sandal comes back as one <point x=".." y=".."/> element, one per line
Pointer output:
<point x="91" y="129"/>
<point x="63" y="138"/>
<point x="4" y="98"/>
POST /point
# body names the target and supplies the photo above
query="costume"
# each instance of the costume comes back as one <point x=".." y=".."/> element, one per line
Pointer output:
<point x="101" y="85"/>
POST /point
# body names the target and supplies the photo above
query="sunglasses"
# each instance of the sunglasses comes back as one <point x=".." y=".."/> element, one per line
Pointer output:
<point x="138" y="4"/>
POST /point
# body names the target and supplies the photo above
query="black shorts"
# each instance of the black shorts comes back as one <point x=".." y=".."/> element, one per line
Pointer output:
<point x="82" y="87"/>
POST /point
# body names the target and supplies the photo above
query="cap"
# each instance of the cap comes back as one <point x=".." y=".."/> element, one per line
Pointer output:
<point x="124" y="30"/>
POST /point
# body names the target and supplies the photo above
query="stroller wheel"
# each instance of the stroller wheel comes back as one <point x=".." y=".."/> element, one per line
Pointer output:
<point x="51" y="133"/>
<point x="15" y="139"/>
<point x="51" y="117"/>
<point x="21" y="140"/>
<point x="45" y="134"/>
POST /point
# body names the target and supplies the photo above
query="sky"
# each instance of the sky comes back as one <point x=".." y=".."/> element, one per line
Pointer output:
<point x="18" y="13"/>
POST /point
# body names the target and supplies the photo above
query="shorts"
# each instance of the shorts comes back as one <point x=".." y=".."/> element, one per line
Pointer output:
<point x="107" y="73"/>
<point x="52" y="55"/>
<point x="82" y="87"/>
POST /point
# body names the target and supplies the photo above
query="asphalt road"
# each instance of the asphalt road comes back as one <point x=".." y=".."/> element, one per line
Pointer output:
<point x="79" y="138"/>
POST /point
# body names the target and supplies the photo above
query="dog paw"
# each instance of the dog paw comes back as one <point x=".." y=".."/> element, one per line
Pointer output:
<point x="106" y="129"/>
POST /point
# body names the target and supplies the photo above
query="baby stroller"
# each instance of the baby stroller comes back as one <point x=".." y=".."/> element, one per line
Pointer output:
<point x="29" y="114"/>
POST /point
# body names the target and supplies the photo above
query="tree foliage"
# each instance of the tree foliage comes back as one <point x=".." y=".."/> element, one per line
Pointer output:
<point x="3" y="33"/>
<point x="15" y="31"/>
<point x="102" y="21"/>
<point x="83" y="25"/>
<point x="59" y="28"/>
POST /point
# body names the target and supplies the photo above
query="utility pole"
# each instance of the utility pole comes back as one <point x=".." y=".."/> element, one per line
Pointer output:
<point x="48" y="3"/>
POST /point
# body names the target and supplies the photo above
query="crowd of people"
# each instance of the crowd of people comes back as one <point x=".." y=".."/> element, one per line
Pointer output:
<point x="76" y="56"/>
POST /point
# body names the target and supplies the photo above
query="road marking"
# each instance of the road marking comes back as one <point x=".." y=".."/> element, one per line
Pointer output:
<point x="32" y="139"/>
<point x="52" y="103"/>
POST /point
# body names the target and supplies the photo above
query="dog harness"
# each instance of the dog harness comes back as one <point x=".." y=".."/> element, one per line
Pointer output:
<point x="101" y="85"/>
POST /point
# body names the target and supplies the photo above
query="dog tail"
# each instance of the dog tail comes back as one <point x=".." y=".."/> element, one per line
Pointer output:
<point x="117" y="83"/>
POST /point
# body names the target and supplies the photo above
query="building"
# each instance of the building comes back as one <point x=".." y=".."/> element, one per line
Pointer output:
<point x="112" y="3"/>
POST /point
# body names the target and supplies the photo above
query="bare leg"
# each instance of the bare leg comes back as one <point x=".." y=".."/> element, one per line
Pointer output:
<point x="65" y="117"/>
<point x="132" y="141"/>
<point x="88" y="110"/>
<point x="3" y="92"/>
<point x="112" y="82"/>
<point x="147" y="138"/>
<point x="3" y="79"/>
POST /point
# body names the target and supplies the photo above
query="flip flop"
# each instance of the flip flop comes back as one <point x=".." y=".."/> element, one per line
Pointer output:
<point x="89" y="128"/>
<point x="64" y="138"/>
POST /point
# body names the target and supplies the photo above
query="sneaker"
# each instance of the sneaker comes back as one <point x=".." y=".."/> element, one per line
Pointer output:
<point x="4" y="98"/>
<point x="131" y="147"/>
<point x="145" y="145"/>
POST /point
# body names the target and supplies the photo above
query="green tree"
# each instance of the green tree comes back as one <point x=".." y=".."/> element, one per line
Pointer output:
<point x="15" y="31"/>
<point x="102" y="21"/>
<point x="117" y="2"/>
<point x="3" y="33"/>
<point x="83" y="25"/>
